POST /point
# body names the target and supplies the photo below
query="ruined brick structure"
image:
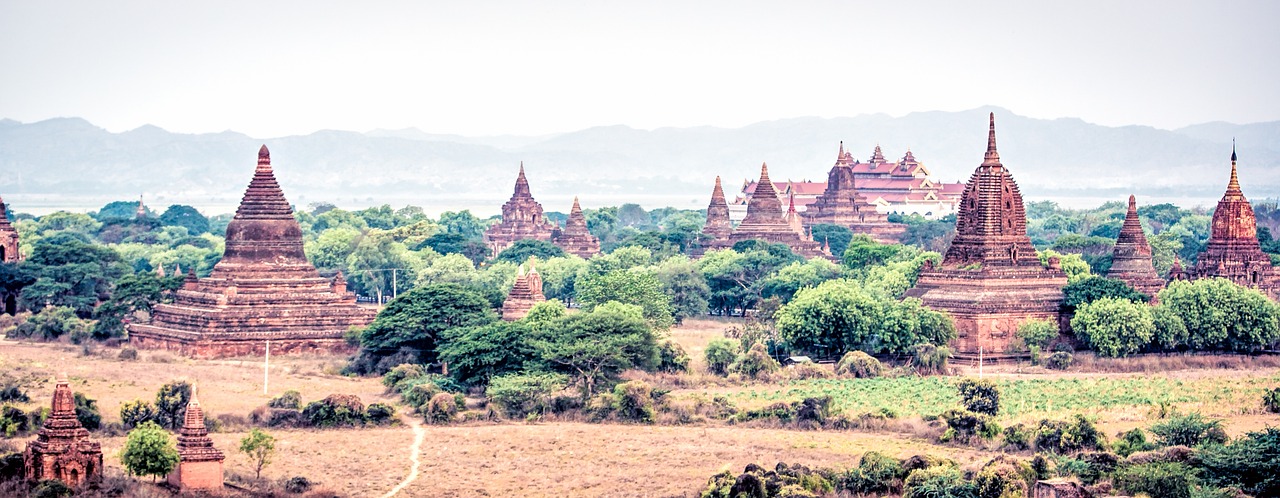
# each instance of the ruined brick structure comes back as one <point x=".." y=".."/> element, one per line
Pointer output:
<point x="522" y="218"/>
<point x="263" y="289"/>
<point x="991" y="279"/>
<point x="1176" y="272"/>
<point x="199" y="463"/>
<point x="63" y="450"/>
<point x="526" y="292"/>
<point x="768" y="222"/>
<point x="1233" y="251"/>
<point x="574" y="237"/>
<point x="1131" y="257"/>
<point x="842" y="204"/>
<point x="9" y="253"/>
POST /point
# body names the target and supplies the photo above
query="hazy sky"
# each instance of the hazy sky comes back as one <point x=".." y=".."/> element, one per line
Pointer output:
<point x="486" y="67"/>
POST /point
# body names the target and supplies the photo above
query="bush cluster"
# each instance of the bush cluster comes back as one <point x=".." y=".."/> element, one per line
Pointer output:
<point x="335" y="410"/>
<point x="859" y="365"/>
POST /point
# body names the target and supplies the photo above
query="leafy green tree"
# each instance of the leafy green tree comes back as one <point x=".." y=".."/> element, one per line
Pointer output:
<point x="449" y="269"/>
<point x="1092" y="288"/>
<point x="260" y="447"/>
<point x="1250" y="462"/>
<point x="332" y="248"/>
<point x="149" y="451"/>
<point x="462" y="223"/>
<point x="837" y="237"/>
<point x="62" y="221"/>
<point x="1073" y="265"/>
<point x="134" y="293"/>
<point x="720" y="354"/>
<point x="1114" y="327"/>
<point x="863" y="251"/>
<point x="595" y="347"/>
<point x="621" y="258"/>
<point x="171" y="403"/>
<point x="637" y="286"/>
<point x="418" y="319"/>
<point x="560" y="276"/>
<point x="686" y="287"/>
<point x="930" y="235"/>
<point x="979" y="396"/>
<point x="476" y="354"/>
<point x="186" y="217"/>
<point x="335" y="218"/>
<point x="452" y="243"/>
<point x="1218" y="314"/>
<point x="87" y="412"/>
<point x="53" y="322"/>
<point x="784" y="282"/>
<point x="839" y="315"/>
<point x="134" y="413"/>
<point x="545" y="312"/>
<point x="520" y="395"/>
<point x="520" y="252"/>
<point x="73" y="272"/>
<point x="117" y="210"/>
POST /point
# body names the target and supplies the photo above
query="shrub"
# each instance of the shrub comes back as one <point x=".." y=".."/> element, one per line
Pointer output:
<point x="1061" y="437"/>
<point x="1132" y="442"/>
<point x="808" y="370"/>
<point x="418" y="391"/>
<point x="1271" y="400"/>
<point x="1251" y="463"/>
<point x="401" y="372"/>
<point x="929" y="359"/>
<point x="1163" y="479"/>
<point x="962" y="426"/>
<point x="519" y="395"/>
<point x="441" y="409"/>
<point x="720" y="354"/>
<point x="289" y="400"/>
<point x="1059" y="360"/>
<point x="51" y="488"/>
<point x="1017" y="437"/>
<point x="13" y="422"/>
<point x="1114" y="327"/>
<point x="1093" y="466"/>
<point x="979" y="396"/>
<point x="1003" y="477"/>
<point x="756" y="363"/>
<point x="876" y="473"/>
<point x="12" y="391"/>
<point x="813" y="411"/>
<point x="671" y="357"/>
<point x="297" y="485"/>
<point x="127" y="354"/>
<point x="938" y="482"/>
<point x="1189" y="430"/>
<point x="87" y="412"/>
<point x="336" y="410"/>
<point x="859" y="365"/>
<point x="134" y="413"/>
<point x="634" y="401"/>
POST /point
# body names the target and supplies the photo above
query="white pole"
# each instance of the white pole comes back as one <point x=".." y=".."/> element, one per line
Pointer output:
<point x="266" y="369"/>
<point x="393" y="284"/>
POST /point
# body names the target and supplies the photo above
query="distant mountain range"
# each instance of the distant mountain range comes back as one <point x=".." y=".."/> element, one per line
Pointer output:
<point x="66" y="160"/>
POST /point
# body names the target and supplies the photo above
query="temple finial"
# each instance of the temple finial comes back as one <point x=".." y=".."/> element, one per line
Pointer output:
<point x="840" y="155"/>
<point x="1233" y="186"/>
<point x="264" y="159"/>
<point x="992" y="157"/>
<point x="1233" y="149"/>
<point x="1133" y="203"/>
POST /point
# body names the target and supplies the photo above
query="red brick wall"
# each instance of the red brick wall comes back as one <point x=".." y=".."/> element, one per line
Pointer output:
<point x="197" y="475"/>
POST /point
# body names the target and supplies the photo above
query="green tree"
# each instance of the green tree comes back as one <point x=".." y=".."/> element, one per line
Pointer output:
<point x="1091" y="288"/>
<point x="133" y="293"/>
<point x="720" y="354"/>
<point x="117" y="210"/>
<point x="477" y="354"/>
<point x="637" y="286"/>
<point x="186" y="217"/>
<point x="686" y="287"/>
<point x="1114" y="327"/>
<point x="134" y="413"/>
<point x="462" y="223"/>
<point x="784" y="282"/>
<point x="260" y="447"/>
<point x="560" y="276"/>
<point x="149" y="451"/>
<point x="839" y="315"/>
<point x="594" y="347"/>
<point x="979" y="396"/>
<point x="863" y="251"/>
<point x="73" y="272"/>
<point x="418" y="319"/>
<point x="171" y="403"/>
<point x="520" y="252"/>
<point x="837" y="237"/>
<point x="1218" y="314"/>
<point x="87" y="412"/>
<point x="332" y="248"/>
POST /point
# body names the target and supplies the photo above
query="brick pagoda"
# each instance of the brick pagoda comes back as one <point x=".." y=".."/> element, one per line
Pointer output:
<point x="526" y="292"/>
<point x="199" y="463"/>
<point x="263" y="289"/>
<point x="574" y="238"/>
<point x="991" y="279"/>
<point x="9" y="253"/>
<point x="841" y="204"/>
<point x="1233" y="251"/>
<point x="521" y="219"/>
<point x="63" y="450"/>
<point x="766" y="221"/>
<point x="718" y="226"/>
<point x="1131" y="257"/>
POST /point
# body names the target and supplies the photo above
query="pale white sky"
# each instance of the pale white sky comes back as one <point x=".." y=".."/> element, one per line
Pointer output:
<point x="488" y="67"/>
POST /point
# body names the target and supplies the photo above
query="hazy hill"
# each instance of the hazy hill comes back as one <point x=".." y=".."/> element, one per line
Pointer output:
<point x="1061" y="158"/>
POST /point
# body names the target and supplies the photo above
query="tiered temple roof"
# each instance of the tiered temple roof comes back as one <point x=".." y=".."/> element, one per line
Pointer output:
<point x="522" y="218"/>
<point x="1233" y="251"/>
<point x="63" y="450"/>
<point x="8" y="237"/>
<point x="574" y="238"/>
<point x="991" y="279"/>
<point x="842" y="204"/>
<point x="526" y="292"/>
<point x="766" y="221"/>
<point x="1131" y="257"/>
<point x="263" y="289"/>
<point x="199" y="463"/>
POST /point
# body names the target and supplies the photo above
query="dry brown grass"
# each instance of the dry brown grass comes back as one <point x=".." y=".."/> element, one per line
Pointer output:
<point x="694" y="334"/>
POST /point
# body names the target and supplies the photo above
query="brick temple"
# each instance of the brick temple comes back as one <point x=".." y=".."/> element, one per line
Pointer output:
<point x="63" y="450"/>
<point x="991" y="279"/>
<point x="8" y="237"/>
<point x="768" y="222"/>
<point x="526" y="292"/>
<point x="842" y="204"/>
<point x="718" y="226"/>
<point x="522" y="219"/>
<point x="574" y="237"/>
<point x="1233" y="251"/>
<point x="263" y="289"/>
<point x="199" y="463"/>
<point x="1131" y="256"/>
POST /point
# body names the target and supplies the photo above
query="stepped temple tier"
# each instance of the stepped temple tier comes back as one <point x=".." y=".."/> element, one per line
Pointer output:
<point x="768" y="222"/>
<point x="991" y="279"/>
<point x="842" y="204"/>
<point x="199" y="463"/>
<point x="1131" y="257"/>
<point x="522" y="218"/>
<point x="574" y="237"/>
<point x="526" y="292"/>
<point x="1233" y="251"/>
<point x="264" y="289"/>
<point x="63" y="450"/>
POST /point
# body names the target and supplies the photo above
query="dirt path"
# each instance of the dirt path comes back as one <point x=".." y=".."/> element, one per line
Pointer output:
<point x="419" y="435"/>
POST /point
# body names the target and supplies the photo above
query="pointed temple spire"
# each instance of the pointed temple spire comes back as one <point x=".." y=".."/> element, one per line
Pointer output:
<point x="526" y="292"/>
<point x="840" y="155"/>
<point x="1233" y="185"/>
<point x="768" y="222"/>
<point x="1131" y="256"/>
<point x="9" y="252"/>
<point x="199" y="462"/>
<point x="575" y="238"/>
<point x="1233" y="251"/>
<point x="718" y="225"/>
<point x="63" y="450"/>
<point x="522" y="219"/>
<point x="522" y="184"/>
<point x="992" y="158"/>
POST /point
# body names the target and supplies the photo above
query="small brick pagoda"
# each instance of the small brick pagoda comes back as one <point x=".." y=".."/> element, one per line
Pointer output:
<point x="718" y="226"/>
<point x="841" y="204"/>
<point x="526" y="292"/>
<point x="766" y="221"/>
<point x="199" y="463"/>
<point x="991" y="279"/>
<point x="1233" y="251"/>
<point x="263" y="289"/>
<point x="574" y="238"/>
<point x="8" y="237"/>
<point x="1131" y="257"/>
<point x="522" y="218"/>
<point x="63" y="450"/>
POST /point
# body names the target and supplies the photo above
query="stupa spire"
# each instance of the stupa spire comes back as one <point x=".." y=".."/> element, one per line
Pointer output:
<point x="992" y="157"/>
<point x="718" y="225"/>
<point x="1233" y="185"/>
<point x="840" y="155"/>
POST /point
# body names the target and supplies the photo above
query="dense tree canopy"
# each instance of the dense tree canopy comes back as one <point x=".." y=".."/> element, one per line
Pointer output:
<point x="418" y="320"/>
<point x="840" y="315"/>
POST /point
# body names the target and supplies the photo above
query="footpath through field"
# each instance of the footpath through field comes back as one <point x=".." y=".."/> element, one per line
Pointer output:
<point x="419" y="435"/>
